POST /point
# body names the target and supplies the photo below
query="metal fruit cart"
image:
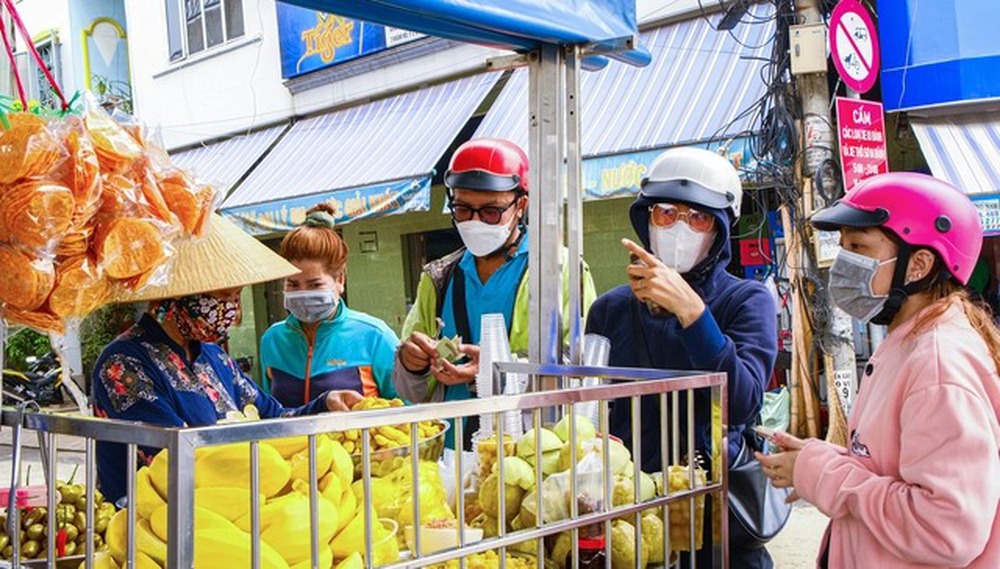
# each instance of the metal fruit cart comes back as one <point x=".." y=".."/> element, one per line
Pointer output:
<point x="674" y="391"/>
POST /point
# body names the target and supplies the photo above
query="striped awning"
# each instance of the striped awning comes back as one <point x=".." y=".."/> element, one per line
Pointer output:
<point x="964" y="149"/>
<point x="224" y="163"/>
<point x="697" y="89"/>
<point x="394" y="139"/>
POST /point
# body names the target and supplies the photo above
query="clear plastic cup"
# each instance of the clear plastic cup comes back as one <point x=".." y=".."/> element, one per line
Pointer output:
<point x="596" y="353"/>
<point x="596" y="350"/>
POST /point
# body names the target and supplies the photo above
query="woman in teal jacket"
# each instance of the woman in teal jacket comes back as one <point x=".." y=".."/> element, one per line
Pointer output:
<point x="323" y="343"/>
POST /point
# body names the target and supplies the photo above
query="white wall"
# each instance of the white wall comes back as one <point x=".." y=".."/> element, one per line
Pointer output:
<point x="229" y="90"/>
<point x="225" y="90"/>
<point x="43" y="15"/>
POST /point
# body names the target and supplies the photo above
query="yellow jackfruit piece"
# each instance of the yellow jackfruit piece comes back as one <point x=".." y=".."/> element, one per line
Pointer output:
<point x="285" y="523"/>
<point x="325" y="558"/>
<point x="289" y="446"/>
<point x="232" y="548"/>
<point x="149" y="498"/>
<point x="324" y="458"/>
<point x="203" y="519"/>
<point x="230" y="503"/>
<point x="145" y="540"/>
<point x="355" y="561"/>
<point x="229" y="466"/>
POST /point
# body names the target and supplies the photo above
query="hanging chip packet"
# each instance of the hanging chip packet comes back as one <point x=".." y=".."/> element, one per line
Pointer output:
<point x="89" y="204"/>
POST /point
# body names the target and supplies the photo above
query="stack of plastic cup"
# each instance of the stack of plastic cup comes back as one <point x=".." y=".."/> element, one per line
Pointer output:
<point x="493" y="347"/>
<point x="596" y="353"/>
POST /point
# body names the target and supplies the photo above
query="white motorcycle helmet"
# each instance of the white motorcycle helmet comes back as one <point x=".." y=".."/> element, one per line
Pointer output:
<point x="689" y="175"/>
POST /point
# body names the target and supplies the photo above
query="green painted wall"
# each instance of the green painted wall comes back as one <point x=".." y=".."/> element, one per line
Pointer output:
<point x="376" y="280"/>
<point x="605" y="223"/>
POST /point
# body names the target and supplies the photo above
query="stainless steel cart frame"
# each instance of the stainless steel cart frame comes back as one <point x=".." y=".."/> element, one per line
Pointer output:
<point x="673" y="389"/>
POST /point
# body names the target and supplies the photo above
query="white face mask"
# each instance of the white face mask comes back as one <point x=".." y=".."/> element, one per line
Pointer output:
<point x="480" y="238"/>
<point x="679" y="246"/>
<point x="312" y="305"/>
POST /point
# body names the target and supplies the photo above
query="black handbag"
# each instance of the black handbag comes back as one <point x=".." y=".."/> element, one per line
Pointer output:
<point x="757" y="510"/>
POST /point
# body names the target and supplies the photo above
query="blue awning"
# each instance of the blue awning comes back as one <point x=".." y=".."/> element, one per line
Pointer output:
<point x="510" y="24"/>
<point x="398" y="139"/>
<point x="697" y="89"/>
<point x="962" y="149"/>
<point x="223" y="163"/>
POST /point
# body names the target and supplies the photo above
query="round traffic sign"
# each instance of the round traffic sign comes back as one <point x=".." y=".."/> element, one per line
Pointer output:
<point x="854" y="45"/>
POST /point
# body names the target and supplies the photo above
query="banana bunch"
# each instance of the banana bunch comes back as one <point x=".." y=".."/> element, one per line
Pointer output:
<point x="383" y="438"/>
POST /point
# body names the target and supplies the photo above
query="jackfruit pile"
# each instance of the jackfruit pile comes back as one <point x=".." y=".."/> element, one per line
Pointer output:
<point x="222" y="520"/>
<point x="519" y="508"/>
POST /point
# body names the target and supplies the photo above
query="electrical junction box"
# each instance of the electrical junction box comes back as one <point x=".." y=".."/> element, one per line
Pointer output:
<point x="808" y="46"/>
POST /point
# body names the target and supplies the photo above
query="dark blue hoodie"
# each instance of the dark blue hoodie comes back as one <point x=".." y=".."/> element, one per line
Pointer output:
<point x="737" y="334"/>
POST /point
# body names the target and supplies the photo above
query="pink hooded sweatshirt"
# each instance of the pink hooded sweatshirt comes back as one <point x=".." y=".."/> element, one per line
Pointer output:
<point x="920" y="484"/>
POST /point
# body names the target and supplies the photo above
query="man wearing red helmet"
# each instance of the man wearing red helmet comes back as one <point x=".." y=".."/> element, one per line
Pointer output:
<point x="919" y="484"/>
<point x="487" y="183"/>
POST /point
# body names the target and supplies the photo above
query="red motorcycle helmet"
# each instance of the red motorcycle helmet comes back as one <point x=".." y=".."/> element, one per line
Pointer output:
<point x="488" y="165"/>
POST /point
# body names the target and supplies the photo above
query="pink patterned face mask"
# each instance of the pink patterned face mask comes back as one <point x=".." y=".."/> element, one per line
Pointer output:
<point x="203" y="317"/>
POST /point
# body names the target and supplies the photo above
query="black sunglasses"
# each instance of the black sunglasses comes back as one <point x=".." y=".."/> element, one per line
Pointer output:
<point x="488" y="214"/>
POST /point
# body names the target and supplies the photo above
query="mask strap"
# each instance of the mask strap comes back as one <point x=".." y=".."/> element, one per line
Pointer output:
<point x="899" y="291"/>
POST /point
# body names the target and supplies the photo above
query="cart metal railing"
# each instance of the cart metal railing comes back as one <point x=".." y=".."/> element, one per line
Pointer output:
<point x="674" y="390"/>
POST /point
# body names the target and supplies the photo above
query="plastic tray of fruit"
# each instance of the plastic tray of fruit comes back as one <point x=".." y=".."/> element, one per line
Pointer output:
<point x="390" y="445"/>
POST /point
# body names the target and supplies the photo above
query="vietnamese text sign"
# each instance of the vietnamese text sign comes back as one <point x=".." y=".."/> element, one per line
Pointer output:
<point x="349" y="205"/>
<point x="621" y="175"/>
<point x="861" y="131"/>
<point x="989" y="212"/>
<point x="311" y="40"/>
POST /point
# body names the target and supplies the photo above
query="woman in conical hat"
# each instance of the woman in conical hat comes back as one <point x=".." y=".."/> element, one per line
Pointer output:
<point x="168" y="369"/>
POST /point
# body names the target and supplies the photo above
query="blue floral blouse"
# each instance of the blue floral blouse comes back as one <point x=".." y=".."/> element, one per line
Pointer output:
<point x="145" y="376"/>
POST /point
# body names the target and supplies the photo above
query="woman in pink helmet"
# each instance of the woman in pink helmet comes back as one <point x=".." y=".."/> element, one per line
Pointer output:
<point x="919" y="484"/>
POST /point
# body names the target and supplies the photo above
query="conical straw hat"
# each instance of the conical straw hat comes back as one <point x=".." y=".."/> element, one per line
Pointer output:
<point x="226" y="257"/>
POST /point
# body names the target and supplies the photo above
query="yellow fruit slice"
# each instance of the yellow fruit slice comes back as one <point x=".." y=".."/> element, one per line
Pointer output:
<point x="203" y="519"/>
<point x="285" y="523"/>
<point x="145" y="540"/>
<point x="290" y="446"/>
<point x="324" y="458"/>
<point x="229" y="466"/>
<point x="342" y="464"/>
<point x="230" y="503"/>
<point x="216" y="548"/>
<point x="149" y="498"/>
<point x="325" y="559"/>
<point x="355" y="561"/>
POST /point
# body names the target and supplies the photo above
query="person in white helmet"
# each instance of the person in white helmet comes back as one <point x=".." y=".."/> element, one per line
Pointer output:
<point x="682" y="311"/>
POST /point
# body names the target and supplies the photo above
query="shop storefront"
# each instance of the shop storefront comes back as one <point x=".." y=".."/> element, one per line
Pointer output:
<point x="950" y="88"/>
<point x="379" y="163"/>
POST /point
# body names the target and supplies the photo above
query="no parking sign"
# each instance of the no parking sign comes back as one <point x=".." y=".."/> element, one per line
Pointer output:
<point x="854" y="45"/>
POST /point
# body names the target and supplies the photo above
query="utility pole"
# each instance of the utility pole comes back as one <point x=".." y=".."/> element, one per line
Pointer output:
<point x="836" y="334"/>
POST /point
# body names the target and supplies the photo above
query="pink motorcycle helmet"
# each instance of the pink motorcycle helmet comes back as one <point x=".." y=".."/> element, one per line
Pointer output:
<point x="922" y="211"/>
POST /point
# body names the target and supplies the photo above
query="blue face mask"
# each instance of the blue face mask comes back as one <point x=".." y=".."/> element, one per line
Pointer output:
<point x="851" y="279"/>
<point x="312" y="305"/>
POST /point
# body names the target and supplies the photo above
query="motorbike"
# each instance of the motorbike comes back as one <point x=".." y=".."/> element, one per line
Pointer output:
<point x="41" y="383"/>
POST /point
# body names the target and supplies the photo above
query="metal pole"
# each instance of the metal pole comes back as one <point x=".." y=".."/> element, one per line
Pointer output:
<point x="837" y="339"/>
<point x="180" y="476"/>
<point x="574" y="206"/>
<point x="546" y="79"/>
